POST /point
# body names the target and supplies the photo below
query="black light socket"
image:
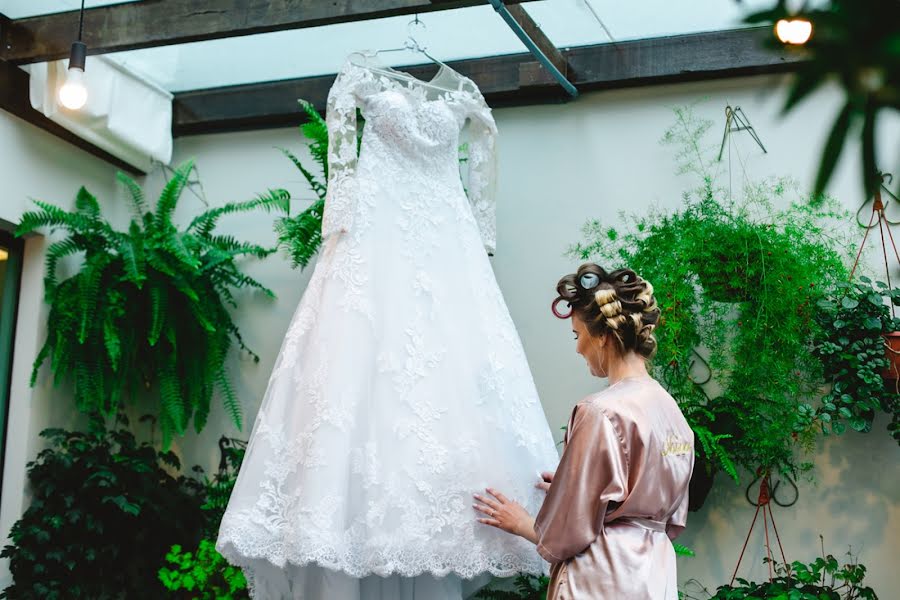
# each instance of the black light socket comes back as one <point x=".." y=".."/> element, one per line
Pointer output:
<point x="77" y="56"/>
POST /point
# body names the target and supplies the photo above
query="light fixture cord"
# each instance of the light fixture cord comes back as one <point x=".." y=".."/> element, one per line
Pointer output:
<point x="81" y="21"/>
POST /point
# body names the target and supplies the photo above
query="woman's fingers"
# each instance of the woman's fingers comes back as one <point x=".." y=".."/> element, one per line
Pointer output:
<point x="490" y="502"/>
<point x="543" y="486"/>
<point x="503" y="499"/>
<point x="491" y="522"/>
<point x="484" y="509"/>
<point x="547" y="476"/>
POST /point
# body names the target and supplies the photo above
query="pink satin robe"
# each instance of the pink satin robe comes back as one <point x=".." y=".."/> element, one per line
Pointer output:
<point x="618" y="496"/>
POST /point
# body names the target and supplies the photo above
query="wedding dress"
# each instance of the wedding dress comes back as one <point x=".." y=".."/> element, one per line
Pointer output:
<point x="401" y="387"/>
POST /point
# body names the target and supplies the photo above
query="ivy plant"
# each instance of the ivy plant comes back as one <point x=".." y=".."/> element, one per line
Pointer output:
<point x="148" y="309"/>
<point x="738" y="279"/>
<point x="104" y="508"/>
<point x="852" y="350"/>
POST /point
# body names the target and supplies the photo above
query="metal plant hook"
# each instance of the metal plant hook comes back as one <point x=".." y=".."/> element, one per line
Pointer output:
<point x="224" y="444"/>
<point x="773" y="493"/>
<point x="709" y="373"/>
<point x="886" y="179"/>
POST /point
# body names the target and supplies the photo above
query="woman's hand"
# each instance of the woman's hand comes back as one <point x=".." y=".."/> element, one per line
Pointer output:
<point x="505" y="514"/>
<point x="547" y="478"/>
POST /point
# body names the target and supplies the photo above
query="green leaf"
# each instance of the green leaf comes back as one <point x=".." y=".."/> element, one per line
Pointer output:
<point x="860" y="424"/>
<point x="833" y="147"/>
<point x="871" y="176"/>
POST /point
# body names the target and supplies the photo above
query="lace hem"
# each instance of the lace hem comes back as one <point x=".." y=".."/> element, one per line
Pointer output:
<point x="465" y="560"/>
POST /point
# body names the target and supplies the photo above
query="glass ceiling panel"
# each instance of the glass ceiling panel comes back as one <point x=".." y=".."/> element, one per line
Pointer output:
<point x="19" y="9"/>
<point x="575" y="22"/>
<point x="448" y="35"/>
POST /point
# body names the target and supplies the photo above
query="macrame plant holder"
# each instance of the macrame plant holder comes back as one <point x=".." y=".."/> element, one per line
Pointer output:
<point x="764" y="506"/>
<point x="891" y="339"/>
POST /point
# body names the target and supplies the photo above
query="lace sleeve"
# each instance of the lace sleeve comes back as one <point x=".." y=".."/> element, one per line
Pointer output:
<point x="482" y="171"/>
<point x="340" y="118"/>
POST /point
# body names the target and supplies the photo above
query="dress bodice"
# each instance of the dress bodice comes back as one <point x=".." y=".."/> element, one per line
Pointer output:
<point x="413" y="131"/>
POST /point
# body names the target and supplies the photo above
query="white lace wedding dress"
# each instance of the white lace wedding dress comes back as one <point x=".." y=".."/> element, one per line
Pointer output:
<point x="402" y="387"/>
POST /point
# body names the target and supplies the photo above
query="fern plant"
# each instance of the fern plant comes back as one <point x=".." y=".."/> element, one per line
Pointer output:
<point x="301" y="236"/>
<point x="148" y="307"/>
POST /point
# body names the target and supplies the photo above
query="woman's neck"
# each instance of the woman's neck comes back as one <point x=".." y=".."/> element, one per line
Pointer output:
<point x="630" y="365"/>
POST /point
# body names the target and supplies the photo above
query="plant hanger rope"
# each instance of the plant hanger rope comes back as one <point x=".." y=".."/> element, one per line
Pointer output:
<point x="763" y="504"/>
<point x="883" y="223"/>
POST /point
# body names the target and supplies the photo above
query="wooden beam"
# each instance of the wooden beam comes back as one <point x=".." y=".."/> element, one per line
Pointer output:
<point x="15" y="99"/>
<point x="529" y="76"/>
<point x="150" y="23"/>
<point x="604" y="66"/>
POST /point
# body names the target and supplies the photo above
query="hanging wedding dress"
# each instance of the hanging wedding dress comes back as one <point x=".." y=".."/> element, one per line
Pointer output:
<point x="402" y="387"/>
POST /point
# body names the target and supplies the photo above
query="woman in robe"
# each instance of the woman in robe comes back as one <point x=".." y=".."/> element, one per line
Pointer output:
<point x="620" y="492"/>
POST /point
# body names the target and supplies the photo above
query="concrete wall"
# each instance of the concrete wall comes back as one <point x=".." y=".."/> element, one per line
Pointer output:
<point x="35" y="164"/>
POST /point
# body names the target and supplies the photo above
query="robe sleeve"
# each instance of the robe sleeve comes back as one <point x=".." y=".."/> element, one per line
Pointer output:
<point x="678" y="521"/>
<point x="592" y="472"/>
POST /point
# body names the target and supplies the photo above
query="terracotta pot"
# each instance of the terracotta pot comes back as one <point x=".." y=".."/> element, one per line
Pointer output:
<point x="892" y="349"/>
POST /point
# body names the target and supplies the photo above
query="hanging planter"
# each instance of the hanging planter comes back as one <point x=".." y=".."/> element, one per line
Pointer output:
<point x="728" y="268"/>
<point x="892" y="351"/>
<point x="859" y="344"/>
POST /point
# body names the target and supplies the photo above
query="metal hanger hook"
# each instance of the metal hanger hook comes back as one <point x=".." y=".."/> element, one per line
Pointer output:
<point x="413" y="28"/>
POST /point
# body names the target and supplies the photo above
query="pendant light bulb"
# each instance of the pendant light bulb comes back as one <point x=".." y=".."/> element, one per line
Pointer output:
<point x="795" y="32"/>
<point x="73" y="94"/>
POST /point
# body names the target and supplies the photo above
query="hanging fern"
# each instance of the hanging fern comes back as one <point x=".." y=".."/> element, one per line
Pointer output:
<point x="147" y="308"/>
<point x="301" y="235"/>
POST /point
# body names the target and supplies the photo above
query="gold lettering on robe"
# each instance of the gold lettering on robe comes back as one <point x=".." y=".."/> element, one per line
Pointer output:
<point x="675" y="445"/>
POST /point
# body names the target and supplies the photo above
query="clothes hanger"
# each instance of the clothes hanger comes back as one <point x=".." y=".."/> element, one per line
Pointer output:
<point x="410" y="44"/>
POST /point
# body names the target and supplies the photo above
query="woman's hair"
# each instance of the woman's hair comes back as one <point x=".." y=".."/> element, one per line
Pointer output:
<point x="619" y="303"/>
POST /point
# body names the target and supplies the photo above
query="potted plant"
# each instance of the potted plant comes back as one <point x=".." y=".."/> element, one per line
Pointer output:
<point x="856" y="328"/>
<point x="776" y="257"/>
<point x="823" y="578"/>
<point x="104" y="507"/>
<point x="148" y="307"/>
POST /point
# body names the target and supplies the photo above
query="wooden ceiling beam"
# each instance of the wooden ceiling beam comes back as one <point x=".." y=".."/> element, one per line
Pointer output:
<point x="604" y="66"/>
<point x="151" y="23"/>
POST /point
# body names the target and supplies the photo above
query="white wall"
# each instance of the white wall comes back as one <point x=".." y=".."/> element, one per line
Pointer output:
<point x="559" y="166"/>
<point x="35" y="164"/>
